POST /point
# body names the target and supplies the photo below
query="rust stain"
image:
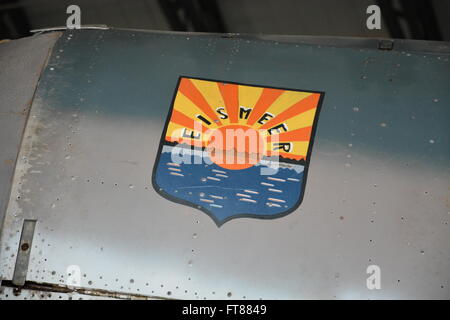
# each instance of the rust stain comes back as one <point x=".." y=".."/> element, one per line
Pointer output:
<point x="9" y="162"/>
<point x="25" y="110"/>
<point x="49" y="287"/>
<point x="23" y="113"/>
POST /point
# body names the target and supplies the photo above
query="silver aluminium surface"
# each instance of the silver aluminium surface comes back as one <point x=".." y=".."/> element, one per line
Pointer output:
<point x="21" y="64"/>
<point x="377" y="191"/>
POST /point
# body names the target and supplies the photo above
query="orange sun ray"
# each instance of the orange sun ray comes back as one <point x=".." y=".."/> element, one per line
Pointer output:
<point x="268" y="96"/>
<point x="188" y="89"/>
<point x="230" y="94"/>
<point x="302" y="134"/>
<point x="185" y="121"/>
<point x="303" y="105"/>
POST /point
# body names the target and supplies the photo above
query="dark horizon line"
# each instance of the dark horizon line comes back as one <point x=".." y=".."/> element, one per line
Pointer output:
<point x="281" y="158"/>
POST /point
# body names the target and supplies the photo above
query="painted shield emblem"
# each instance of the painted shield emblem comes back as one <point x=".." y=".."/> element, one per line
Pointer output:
<point x="236" y="150"/>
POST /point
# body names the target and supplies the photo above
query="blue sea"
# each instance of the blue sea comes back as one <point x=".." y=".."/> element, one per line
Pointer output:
<point x="263" y="190"/>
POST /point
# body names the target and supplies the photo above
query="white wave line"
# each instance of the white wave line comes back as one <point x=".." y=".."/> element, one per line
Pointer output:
<point x="267" y="184"/>
<point x="212" y="178"/>
<point x="218" y="171"/>
<point x="215" y="205"/>
<point x="293" y="179"/>
<point x="174" y="169"/>
<point x="251" y="191"/>
<point x="243" y="195"/>
<point x="276" y="179"/>
<point x="207" y="200"/>
<point x="275" y="190"/>
<point x="173" y="164"/>
<point x="216" y="197"/>
<point x="221" y="175"/>
<point x="176" y="174"/>
<point x="270" y="204"/>
<point x="276" y="200"/>
<point x="247" y="200"/>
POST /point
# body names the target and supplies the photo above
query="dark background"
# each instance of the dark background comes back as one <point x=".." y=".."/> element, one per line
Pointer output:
<point x="410" y="19"/>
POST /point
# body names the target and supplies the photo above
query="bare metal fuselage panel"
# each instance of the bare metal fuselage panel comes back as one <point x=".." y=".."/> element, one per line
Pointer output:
<point x="378" y="180"/>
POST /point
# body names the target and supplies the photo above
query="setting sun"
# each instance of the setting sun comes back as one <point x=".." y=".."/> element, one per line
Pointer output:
<point x="252" y="122"/>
